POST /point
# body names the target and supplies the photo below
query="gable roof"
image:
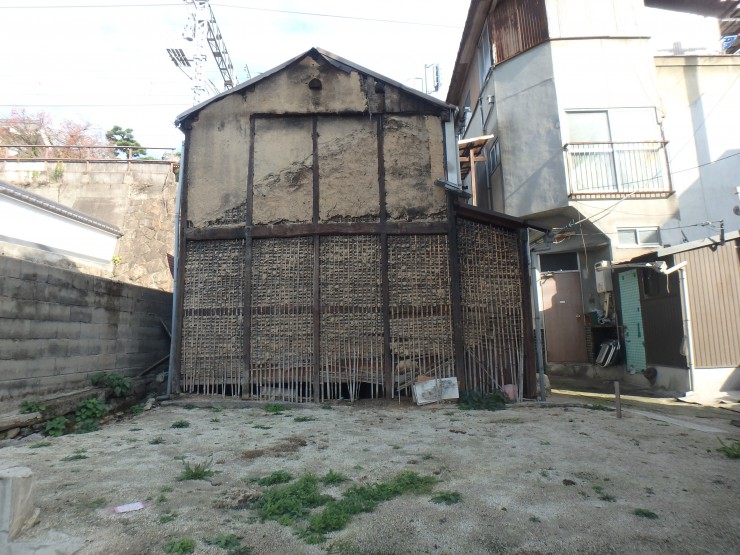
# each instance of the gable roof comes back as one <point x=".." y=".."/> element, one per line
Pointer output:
<point x="317" y="54"/>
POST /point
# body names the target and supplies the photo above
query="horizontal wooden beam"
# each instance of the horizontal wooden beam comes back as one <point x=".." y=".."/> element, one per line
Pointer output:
<point x="237" y="231"/>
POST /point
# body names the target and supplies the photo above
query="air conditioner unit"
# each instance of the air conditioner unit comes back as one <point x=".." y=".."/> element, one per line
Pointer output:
<point x="603" y="280"/>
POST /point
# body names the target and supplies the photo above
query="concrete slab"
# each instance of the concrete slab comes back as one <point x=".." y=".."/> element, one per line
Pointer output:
<point x="675" y="421"/>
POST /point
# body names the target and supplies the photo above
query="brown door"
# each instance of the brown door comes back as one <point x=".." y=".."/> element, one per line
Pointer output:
<point x="563" y="310"/>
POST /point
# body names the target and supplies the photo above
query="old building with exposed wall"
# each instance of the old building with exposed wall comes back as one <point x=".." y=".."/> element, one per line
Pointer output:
<point x="317" y="258"/>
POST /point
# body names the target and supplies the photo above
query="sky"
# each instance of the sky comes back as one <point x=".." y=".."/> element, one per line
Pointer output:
<point x="105" y="61"/>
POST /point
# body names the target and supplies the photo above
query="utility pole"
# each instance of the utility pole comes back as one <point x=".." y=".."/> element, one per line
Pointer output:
<point x="203" y="31"/>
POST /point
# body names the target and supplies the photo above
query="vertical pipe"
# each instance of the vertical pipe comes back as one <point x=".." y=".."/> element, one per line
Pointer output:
<point x="687" y="327"/>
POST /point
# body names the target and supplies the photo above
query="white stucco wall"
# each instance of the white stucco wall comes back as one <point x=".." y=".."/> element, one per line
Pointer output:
<point x="593" y="18"/>
<point x="702" y="122"/>
<point x="30" y="226"/>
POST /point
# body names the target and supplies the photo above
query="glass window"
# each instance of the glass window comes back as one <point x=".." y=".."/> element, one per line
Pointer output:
<point x="638" y="237"/>
<point x="561" y="262"/>
<point x="588" y="127"/>
<point x="484" y="55"/>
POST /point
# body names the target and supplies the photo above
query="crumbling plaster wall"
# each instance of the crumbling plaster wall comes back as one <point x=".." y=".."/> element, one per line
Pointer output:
<point x="219" y="144"/>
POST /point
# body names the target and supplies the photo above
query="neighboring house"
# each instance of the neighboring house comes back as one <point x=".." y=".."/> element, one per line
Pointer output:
<point x="136" y="197"/>
<point x="654" y="315"/>
<point x="33" y="227"/>
<point x="319" y="260"/>
<point x="568" y="118"/>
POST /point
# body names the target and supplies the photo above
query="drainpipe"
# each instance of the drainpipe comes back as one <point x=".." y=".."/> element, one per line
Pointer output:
<point x="537" y="321"/>
<point x="687" y="326"/>
<point x="175" y="291"/>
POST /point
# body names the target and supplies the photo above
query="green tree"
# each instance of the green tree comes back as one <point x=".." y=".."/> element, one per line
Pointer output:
<point x="124" y="138"/>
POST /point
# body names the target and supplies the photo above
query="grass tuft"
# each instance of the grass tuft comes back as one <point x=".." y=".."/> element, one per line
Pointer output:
<point x="180" y="424"/>
<point x="447" y="497"/>
<point x="156" y="441"/>
<point x="303" y="419"/>
<point x="731" y="451"/>
<point x="276" y="408"/>
<point x="198" y="471"/>
<point x="40" y="444"/>
<point x="644" y="513"/>
<point x="277" y="477"/>
<point x="332" y="478"/>
<point x="180" y="547"/>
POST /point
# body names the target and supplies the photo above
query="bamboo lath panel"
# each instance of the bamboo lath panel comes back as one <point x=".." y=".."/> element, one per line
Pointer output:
<point x="493" y="320"/>
<point x="212" y="360"/>
<point x="351" y="320"/>
<point x="282" y="319"/>
<point x="420" y="309"/>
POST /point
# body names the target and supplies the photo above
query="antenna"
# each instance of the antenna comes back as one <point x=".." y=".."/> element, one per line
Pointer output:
<point x="202" y="30"/>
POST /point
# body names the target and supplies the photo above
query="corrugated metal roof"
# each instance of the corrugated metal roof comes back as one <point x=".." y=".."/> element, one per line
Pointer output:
<point x="337" y="61"/>
<point x="50" y="206"/>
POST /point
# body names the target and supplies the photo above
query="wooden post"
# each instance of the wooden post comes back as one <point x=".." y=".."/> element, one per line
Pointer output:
<point x="617" y="399"/>
<point x="456" y="295"/>
<point x="384" y="280"/>
<point x="316" y="307"/>
<point x="247" y="307"/>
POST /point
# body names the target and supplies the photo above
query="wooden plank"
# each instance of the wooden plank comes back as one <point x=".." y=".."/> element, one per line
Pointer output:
<point x="247" y="300"/>
<point x="384" y="280"/>
<point x="316" y="376"/>
<point x="456" y="295"/>
<point x="349" y="228"/>
<point x="216" y="233"/>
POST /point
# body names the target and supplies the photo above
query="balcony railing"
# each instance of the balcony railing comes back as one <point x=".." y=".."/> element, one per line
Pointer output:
<point x="617" y="168"/>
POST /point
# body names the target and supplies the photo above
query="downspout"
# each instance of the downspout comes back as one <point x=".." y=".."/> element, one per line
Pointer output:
<point x="537" y="321"/>
<point x="175" y="289"/>
<point x="687" y="325"/>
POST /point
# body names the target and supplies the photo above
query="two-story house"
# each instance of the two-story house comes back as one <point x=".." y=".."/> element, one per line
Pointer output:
<point x="573" y="116"/>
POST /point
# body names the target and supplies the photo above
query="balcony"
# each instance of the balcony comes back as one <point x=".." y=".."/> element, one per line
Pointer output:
<point x="618" y="169"/>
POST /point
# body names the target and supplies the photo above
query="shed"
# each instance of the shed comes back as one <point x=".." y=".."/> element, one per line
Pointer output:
<point x="317" y="259"/>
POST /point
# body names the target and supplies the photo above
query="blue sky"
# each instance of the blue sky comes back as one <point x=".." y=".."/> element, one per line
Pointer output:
<point x="105" y="61"/>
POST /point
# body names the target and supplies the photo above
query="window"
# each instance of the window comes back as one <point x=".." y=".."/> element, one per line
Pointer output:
<point x="615" y="150"/>
<point x="561" y="262"/>
<point x="632" y="237"/>
<point x="484" y="54"/>
<point x="493" y="157"/>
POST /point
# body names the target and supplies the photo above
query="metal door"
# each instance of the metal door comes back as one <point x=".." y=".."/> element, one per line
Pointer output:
<point x="563" y="311"/>
<point x="634" y="331"/>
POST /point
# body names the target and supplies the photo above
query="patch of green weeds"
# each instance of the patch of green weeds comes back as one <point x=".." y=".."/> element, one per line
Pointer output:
<point x="135" y="429"/>
<point x="166" y="488"/>
<point x="189" y="406"/>
<point x="286" y="504"/>
<point x="731" y="451"/>
<point x="216" y="419"/>
<point x="230" y="542"/>
<point x="599" y="406"/>
<point x="395" y="447"/>
<point x="56" y="427"/>
<point x="75" y="457"/>
<point x="156" y="440"/>
<point x="475" y="400"/>
<point x="169" y="516"/>
<point x="544" y="473"/>
<point x="534" y="519"/>
<point x="447" y="497"/>
<point x="603" y="496"/>
<point x="180" y="547"/>
<point x="303" y="419"/>
<point x="327" y="406"/>
<point x="332" y="478"/>
<point x="39" y="444"/>
<point x="95" y="503"/>
<point x="276" y="408"/>
<point x="262" y="427"/>
<point x="32" y="405"/>
<point x="136" y="409"/>
<point x="427" y="457"/>
<point x="197" y="471"/>
<point x="180" y="424"/>
<point x="179" y="457"/>
<point x="121" y="385"/>
<point x="644" y="513"/>
<point x="88" y="415"/>
<point x="161" y="498"/>
<point x="277" y="477"/>
<point x="217" y="409"/>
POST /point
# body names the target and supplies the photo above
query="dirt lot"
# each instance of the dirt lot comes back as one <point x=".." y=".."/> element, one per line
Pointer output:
<point x="531" y="480"/>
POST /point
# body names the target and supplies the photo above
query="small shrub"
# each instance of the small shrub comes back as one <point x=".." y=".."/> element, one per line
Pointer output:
<point x="603" y="496"/>
<point x="75" y="457"/>
<point x="731" y="451"/>
<point x="534" y="519"/>
<point x="156" y="441"/>
<point x="56" y="427"/>
<point x="644" y="513"/>
<point x="275" y="408"/>
<point x="277" y="477"/>
<point x="88" y="415"/>
<point x="333" y="478"/>
<point x="198" y="471"/>
<point x="224" y="541"/>
<point x="136" y="409"/>
<point x="180" y="547"/>
<point x="167" y="517"/>
<point x="121" y="385"/>
<point x="474" y="400"/>
<point x="166" y="488"/>
<point x="303" y="419"/>
<point x="32" y="405"/>
<point x="180" y="424"/>
<point x="447" y="497"/>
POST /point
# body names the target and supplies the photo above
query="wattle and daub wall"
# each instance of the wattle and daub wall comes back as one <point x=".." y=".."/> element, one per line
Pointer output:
<point x="310" y="207"/>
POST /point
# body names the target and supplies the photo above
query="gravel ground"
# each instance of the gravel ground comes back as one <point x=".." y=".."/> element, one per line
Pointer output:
<point x="531" y="479"/>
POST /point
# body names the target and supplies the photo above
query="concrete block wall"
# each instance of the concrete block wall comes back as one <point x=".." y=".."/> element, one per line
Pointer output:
<point x="58" y="326"/>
